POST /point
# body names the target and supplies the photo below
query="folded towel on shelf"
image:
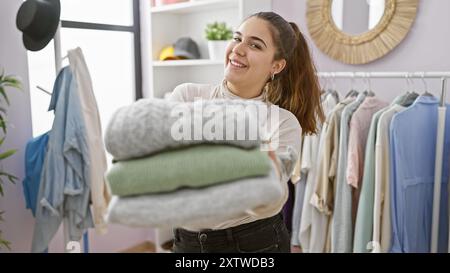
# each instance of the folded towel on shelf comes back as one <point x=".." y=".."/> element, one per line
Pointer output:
<point x="201" y="208"/>
<point x="145" y="127"/>
<point x="193" y="166"/>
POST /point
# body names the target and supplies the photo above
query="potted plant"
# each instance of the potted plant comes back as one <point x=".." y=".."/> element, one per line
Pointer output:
<point x="218" y="35"/>
<point x="5" y="81"/>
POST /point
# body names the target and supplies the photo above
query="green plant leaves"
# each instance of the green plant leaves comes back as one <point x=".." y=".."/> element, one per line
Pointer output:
<point x="6" y="155"/>
<point x="8" y="81"/>
<point x="3" y="242"/>
<point x="11" y="179"/>
<point x="3" y="124"/>
<point x="3" y="93"/>
<point x="218" y="31"/>
<point x="13" y="82"/>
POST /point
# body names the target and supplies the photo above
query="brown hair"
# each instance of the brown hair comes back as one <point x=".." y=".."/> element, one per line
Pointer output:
<point x="296" y="88"/>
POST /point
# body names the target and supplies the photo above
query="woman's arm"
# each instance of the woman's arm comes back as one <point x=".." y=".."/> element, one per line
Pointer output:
<point x="273" y="156"/>
<point x="288" y="143"/>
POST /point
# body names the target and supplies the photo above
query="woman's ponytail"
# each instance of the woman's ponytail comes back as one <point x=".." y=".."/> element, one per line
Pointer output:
<point x="304" y="84"/>
<point x="296" y="88"/>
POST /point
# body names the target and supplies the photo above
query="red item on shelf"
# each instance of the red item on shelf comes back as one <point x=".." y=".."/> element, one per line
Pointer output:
<point x="166" y="2"/>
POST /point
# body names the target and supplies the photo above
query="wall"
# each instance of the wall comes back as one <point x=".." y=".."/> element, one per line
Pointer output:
<point x="426" y="48"/>
<point x="13" y="59"/>
<point x="18" y="225"/>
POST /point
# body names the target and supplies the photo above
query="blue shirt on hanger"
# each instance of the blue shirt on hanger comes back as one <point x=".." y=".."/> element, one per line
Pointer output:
<point x="34" y="159"/>
<point x="65" y="187"/>
<point x="413" y="149"/>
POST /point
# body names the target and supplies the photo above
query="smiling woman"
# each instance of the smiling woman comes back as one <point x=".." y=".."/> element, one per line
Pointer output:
<point x="250" y="59"/>
<point x="267" y="60"/>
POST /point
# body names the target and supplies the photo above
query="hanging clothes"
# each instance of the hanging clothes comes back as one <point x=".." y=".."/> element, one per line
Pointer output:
<point x="323" y="195"/>
<point x="358" y="135"/>
<point x="309" y="152"/>
<point x="64" y="190"/>
<point x="412" y="159"/>
<point x="310" y="233"/>
<point x="34" y="159"/>
<point x="341" y="230"/>
<point x="100" y="192"/>
<point x="300" y="188"/>
<point x="364" y="218"/>
<point x="380" y="178"/>
<point x="381" y="208"/>
<point x="298" y="178"/>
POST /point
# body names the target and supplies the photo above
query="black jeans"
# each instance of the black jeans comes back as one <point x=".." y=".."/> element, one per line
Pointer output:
<point x="268" y="235"/>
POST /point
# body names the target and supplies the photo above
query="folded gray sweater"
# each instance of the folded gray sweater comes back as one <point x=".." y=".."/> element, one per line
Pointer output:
<point x="151" y="125"/>
<point x="200" y="208"/>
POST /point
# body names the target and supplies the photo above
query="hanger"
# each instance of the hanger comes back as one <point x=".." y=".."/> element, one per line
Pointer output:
<point x="426" y="93"/>
<point x="43" y="90"/>
<point x="333" y="91"/>
<point x="369" y="91"/>
<point x="365" y="83"/>
<point x="326" y="91"/>
<point x="410" y="96"/>
<point x="352" y="92"/>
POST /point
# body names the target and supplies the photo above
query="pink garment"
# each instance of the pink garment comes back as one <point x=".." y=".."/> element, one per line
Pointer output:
<point x="359" y="131"/>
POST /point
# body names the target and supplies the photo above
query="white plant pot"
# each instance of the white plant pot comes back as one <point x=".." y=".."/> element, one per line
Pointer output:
<point x="217" y="50"/>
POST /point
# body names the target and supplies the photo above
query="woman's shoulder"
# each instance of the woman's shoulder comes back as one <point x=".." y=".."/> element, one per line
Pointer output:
<point x="190" y="91"/>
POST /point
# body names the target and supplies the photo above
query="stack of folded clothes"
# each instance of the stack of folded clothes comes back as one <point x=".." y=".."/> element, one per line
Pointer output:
<point x="161" y="180"/>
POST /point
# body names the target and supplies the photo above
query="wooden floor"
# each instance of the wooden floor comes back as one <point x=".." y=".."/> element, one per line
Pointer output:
<point x="145" y="247"/>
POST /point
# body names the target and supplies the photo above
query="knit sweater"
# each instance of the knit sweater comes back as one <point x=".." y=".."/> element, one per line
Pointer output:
<point x="194" y="166"/>
<point x="151" y="125"/>
<point x="210" y="207"/>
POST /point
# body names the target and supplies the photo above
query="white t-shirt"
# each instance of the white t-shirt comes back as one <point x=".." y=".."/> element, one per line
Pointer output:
<point x="289" y="142"/>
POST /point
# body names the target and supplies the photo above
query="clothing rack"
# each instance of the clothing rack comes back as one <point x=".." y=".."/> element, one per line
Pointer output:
<point x="384" y="75"/>
<point x="391" y="75"/>
<point x="439" y="136"/>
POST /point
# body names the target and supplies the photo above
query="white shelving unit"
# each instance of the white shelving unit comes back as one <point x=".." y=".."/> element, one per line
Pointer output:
<point x="204" y="62"/>
<point x="188" y="19"/>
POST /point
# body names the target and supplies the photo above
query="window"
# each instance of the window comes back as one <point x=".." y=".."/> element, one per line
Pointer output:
<point x="113" y="12"/>
<point x="108" y="32"/>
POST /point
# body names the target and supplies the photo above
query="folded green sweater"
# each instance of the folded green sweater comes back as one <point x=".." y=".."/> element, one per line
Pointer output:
<point x="194" y="166"/>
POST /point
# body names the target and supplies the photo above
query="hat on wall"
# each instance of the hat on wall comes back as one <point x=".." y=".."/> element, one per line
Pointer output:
<point x="38" y="21"/>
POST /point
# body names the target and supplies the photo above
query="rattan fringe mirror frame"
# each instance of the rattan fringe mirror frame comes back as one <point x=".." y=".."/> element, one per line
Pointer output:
<point x="398" y="18"/>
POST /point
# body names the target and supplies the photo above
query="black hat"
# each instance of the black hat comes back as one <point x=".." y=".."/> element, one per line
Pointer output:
<point x="38" y="20"/>
<point x="186" y="47"/>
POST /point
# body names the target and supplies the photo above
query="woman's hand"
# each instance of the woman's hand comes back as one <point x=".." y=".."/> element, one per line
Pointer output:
<point x="273" y="156"/>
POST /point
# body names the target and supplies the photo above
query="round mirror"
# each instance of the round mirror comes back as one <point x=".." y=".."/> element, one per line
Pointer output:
<point x="357" y="17"/>
<point x="359" y="31"/>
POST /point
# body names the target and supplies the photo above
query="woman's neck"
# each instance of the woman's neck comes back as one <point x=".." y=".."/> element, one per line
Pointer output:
<point x="244" y="91"/>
